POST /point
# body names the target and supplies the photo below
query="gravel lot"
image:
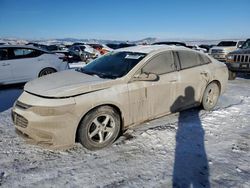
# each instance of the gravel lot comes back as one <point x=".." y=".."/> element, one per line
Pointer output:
<point x="212" y="150"/>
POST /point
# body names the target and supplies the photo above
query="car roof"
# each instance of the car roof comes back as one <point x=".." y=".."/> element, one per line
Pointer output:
<point x="151" y="48"/>
<point x="23" y="46"/>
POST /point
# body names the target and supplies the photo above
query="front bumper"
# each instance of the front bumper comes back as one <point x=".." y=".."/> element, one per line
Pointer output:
<point x="238" y="67"/>
<point x="47" y="127"/>
<point x="219" y="56"/>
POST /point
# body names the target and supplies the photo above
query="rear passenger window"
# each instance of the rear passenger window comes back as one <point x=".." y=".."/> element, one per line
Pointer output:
<point x="161" y="64"/>
<point x="22" y="52"/>
<point x="25" y="53"/>
<point x="204" y="59"/>
<point x="3" y="54"/>
<point x="188" y="59"/>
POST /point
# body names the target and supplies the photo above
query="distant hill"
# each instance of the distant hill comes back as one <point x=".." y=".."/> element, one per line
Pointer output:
<point x="148" y="40"/>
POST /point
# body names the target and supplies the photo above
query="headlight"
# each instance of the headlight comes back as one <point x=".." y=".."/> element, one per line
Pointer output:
<point x="53" y="111"/>
<point x="230" y="57"/>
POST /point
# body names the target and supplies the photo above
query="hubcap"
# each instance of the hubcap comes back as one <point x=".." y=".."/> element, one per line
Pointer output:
<point x="101" y="129"/>
<point x="211" y="96"/>
<point x="46" y="72"/>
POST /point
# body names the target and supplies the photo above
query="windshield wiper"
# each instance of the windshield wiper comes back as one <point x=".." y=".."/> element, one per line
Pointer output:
<point x="99" y="74"/>
<point x="88" y="72"/>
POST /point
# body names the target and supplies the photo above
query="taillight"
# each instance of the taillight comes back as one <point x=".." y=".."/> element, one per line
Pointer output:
<point x="65" y="58"/>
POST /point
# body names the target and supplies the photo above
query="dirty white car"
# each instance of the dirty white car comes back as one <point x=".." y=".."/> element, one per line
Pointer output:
<point x="125" y="87"/>
<point x="20" y="64"/>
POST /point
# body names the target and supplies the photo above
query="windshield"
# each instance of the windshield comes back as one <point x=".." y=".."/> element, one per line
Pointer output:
<point x="113" y="65"/>
<point x="246" y="44"/>
<point x="227" y="43"/>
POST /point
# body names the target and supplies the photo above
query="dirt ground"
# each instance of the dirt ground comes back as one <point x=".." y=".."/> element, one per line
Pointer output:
<point x="194" y="147"/>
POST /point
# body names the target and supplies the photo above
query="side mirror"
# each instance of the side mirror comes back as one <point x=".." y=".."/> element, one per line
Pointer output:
<point x="146" y="77"/>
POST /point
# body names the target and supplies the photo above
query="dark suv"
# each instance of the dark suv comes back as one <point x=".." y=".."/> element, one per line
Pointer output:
<point x="239" y="60"/>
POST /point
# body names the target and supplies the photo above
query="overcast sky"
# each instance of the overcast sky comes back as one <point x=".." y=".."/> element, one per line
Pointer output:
<point x="125" y="19"/>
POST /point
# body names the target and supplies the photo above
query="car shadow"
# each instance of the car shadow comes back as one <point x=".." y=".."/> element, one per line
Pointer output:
<point x="8" y="95"/>
<point x="191" y="165"/>
<point x="243" y="75"/>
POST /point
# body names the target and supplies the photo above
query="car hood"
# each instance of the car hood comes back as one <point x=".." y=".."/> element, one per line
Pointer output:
<point x="240" y="51"/>
<point x="229" y="48"/>
<point x="66" y="84"/>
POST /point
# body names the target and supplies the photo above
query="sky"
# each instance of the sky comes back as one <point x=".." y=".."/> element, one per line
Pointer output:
<point x="125" y="19"/>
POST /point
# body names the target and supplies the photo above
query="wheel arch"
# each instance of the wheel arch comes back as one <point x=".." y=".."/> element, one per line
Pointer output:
<point x="46" y="68"/>
<point x="215" y="81"/>
<point x="115" y="107"/>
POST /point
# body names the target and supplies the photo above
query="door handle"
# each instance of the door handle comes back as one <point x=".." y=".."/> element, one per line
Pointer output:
<point x="174" y="80"/>
<point x="5" y="64"/>
<point x="204" y="73"/>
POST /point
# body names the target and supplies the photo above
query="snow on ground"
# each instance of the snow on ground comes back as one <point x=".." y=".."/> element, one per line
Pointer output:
<point x="212" y="150"/>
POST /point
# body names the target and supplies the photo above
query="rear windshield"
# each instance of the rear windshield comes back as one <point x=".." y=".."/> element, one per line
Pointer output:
<point x="227" y="43"/>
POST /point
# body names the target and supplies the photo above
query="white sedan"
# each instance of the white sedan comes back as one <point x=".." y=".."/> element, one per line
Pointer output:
<point x="20" y="64"/>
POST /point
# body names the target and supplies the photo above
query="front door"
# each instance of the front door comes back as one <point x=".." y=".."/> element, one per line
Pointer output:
<point x="5" y="71"/>
<point x="150" y="99"/>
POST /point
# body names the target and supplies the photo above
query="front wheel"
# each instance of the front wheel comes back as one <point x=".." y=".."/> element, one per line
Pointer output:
<point x="210" y="96"/>
<point x="99" y="128"/>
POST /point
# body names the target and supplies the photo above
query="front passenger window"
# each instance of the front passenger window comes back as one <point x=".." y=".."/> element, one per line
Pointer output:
<point x="3" y="54"/>
<point x="161" y="64"/>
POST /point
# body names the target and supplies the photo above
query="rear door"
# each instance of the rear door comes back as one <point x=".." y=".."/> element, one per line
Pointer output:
<point x="193" y="79"/>
<point x="5" y="71"/>
<point x="25" y="63"/>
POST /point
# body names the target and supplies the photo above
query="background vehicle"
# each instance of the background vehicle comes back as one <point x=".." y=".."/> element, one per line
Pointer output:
<point x="239" y="60"/>
<point x="206" y="46"/>
<point x="103" y="49"/>
<point x="117" y="90"/>
<point x="170" y="43"/>
<point x="85" y="52"/>
<point x="20" y="64"/>
<point x="198" y="48"/>
<point x="220" y="51"/>
<point x="120" y="45"/>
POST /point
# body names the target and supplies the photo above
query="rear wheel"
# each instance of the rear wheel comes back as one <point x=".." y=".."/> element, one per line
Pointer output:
<point x="99" y="128"/>
<point x="231" y="75"/>
<point x="46" y="71"/>
<point x="210" y="96"/>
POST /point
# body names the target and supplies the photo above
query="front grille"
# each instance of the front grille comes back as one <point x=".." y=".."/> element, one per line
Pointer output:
<point x="242" y="58"/>
<point x="217" y="51"/>
<point x="22" y="105"/>
<point x="19" y="120"/>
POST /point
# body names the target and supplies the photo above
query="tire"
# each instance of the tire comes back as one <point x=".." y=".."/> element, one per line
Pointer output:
<point x="210" y="96"/>
<point x="231" y="75"/>
<point x="46" y="71"/>
<point x="99" y="128"/>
